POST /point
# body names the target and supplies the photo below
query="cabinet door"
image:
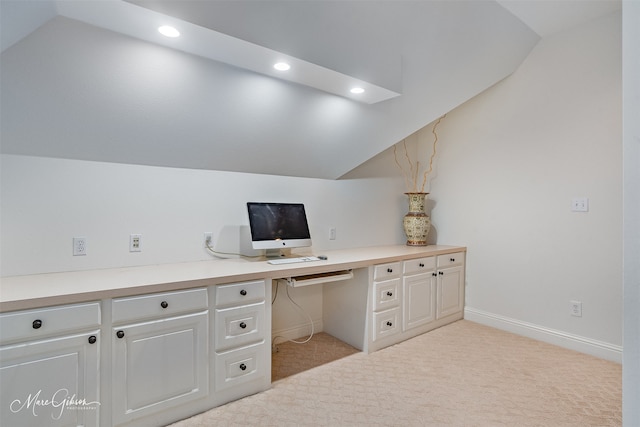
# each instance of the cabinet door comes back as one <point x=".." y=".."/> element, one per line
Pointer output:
<point x="159" y="364"/>
<point x="419" y="302"/>
<point x="50" y="382"/>
<point x="450" y="291"/>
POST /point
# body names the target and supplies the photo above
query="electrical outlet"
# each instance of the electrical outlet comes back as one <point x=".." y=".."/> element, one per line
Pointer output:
<point x="576" y="308"/>
<point x="208" y="239"/>
<point x="79" y="246"/>
<point x="135" y="243"/>
<point x="580" y="204"/>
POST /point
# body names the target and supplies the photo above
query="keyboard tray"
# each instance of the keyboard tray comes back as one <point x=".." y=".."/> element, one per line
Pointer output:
<point x="313" y="279"/>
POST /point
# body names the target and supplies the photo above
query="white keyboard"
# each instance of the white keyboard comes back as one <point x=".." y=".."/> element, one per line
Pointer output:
<point x="293" y="260"/>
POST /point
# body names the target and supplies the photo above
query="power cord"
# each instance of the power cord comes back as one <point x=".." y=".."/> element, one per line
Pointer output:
<point x="306" y="340"/>
<point x="220" y="254"/>
<point x="275" y="295"/>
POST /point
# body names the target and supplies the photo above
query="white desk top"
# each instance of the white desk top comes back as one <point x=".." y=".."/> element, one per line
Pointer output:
<point x="40" y="290"/>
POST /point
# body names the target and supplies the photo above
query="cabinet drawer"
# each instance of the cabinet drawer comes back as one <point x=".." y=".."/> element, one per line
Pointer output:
<point x="386" y="294"/>
<point x="386" y="323"/>
<point x="386" y="271"/>
<point x="30" y="324"/>
<point x="240" y="293"/>
<point x="420" y="265"/>
<point x="158" y="305"/>
<point x="239" y="366"/>
<point x="239" y="326"/>
<point x="451" y="260"/>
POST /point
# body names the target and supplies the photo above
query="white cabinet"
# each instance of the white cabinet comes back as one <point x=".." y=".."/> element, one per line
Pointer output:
<point x="386" y="310"/>
<point x="170" y="355"/>
<point x="49" y="366"/>
<point x="159" y="354"/>
<point x="419" y="290"/>
<point x="450" y="285"/>
<point x="414" y="296"/>
<point x="242" y="322"/>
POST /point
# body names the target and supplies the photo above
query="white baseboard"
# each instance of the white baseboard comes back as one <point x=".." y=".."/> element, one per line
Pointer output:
<point x="589" y="346"/>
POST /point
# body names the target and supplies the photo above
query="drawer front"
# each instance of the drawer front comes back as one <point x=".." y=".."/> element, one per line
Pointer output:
<point x="451" y="260"/>
<point x="386" y="323"/>
<point x="386" y="271"/>
<point x="32" y="324"/>
<point x="420" y="265"/>
<point x="240" y="293"/>
<point x="239" y="326"/>
<point x="158" y="305"/>
<point x="387" y="294"/>
<point x="239" y="366"/>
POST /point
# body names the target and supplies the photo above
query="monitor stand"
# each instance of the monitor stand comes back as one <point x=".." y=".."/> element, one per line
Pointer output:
<point x="278" y="253"/>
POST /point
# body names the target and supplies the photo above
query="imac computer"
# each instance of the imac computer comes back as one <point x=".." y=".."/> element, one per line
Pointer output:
<point x="278" y="226"/>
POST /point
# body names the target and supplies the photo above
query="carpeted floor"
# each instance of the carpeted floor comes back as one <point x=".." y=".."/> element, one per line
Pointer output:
<point x="291" y="358"/>
<point x="463" y="374"/>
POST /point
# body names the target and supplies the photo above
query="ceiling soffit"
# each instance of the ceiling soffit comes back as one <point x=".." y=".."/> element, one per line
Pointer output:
<point x="74" y="90"/>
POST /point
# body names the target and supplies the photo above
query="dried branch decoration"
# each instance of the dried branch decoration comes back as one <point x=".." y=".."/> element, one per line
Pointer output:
<point x="411" y="175"/>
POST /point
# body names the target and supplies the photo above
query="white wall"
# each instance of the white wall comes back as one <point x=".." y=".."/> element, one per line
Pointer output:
<point x="510" y="162"/>
<point x="46" y="202"/>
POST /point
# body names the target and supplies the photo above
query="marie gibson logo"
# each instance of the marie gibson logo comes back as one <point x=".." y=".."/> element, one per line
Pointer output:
<point x="59" y="401"/>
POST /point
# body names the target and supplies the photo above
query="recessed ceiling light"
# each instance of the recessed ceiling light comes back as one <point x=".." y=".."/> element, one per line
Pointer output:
<point x="168" y="31"/>
<point x="282" y="66"/>
<point x="357" y="90"/>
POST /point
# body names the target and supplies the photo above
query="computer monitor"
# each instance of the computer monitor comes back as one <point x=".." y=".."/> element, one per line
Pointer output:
<point x="278" y="226"/>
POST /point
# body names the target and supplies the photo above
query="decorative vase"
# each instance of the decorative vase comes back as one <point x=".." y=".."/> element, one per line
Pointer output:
<point x="416" y="222"/>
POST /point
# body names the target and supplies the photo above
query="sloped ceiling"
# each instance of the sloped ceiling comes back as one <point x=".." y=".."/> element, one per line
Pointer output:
<point x="75" y="88"/>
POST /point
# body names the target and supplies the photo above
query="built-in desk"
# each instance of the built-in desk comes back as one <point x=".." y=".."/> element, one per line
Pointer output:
<point x="155" y="344"/>
<point x="41" y="290"/>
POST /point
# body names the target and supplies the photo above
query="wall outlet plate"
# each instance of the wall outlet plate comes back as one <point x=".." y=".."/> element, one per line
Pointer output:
<point x="208" y="239"/>
<point x="576" y="308"/>
<point x="135" y="243"/>
<point x="580" y="204"/>
<point x="79" y="246"/>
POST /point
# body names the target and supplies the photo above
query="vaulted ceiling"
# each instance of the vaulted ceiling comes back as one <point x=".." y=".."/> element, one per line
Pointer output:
<point x="93" y="80"/>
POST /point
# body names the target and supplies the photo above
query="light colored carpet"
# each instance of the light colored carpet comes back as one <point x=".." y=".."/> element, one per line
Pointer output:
<point x="292" y="358"/>
<point x="463" y="374"/>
